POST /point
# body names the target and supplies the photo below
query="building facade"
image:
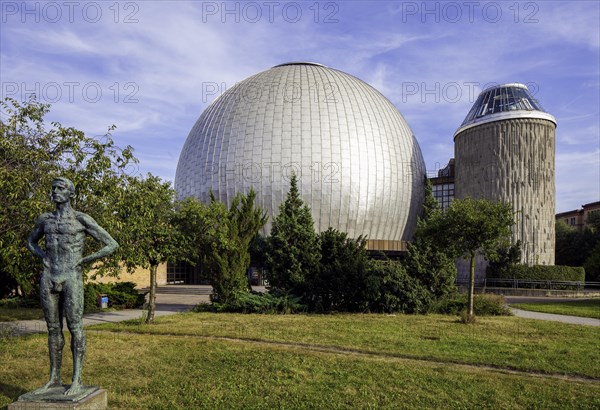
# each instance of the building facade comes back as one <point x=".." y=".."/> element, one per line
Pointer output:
<point x="442" y="185"/>
<point x="578" y="218"/>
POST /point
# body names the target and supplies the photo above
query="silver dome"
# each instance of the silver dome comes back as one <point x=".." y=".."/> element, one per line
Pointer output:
<point x="359" y="166"/>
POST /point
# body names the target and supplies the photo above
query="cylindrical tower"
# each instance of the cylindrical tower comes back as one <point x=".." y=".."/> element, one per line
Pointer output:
<point x="504" y="151"/>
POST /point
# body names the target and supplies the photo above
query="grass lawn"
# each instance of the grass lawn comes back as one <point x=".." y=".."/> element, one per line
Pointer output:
<point x="204" y="360"/>
<point x="11" y="314"/>
<point x="582" y="308"/>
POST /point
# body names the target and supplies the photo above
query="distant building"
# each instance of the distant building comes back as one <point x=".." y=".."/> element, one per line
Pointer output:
<point x="578" y="218"/>
<point x="443" y="185"/>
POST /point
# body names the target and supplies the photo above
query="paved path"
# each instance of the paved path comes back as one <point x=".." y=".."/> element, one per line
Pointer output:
<point x="548" y="316"/>
<point x="169" y="303"/>
<point x="166" y="304"/>
<point x="556" y="318"/>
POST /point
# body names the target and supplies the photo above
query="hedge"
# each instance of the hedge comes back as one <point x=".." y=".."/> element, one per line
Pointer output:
<point x="120" y="295"/>
<point x="483" y="305"/>
<point x="545" y="272"/>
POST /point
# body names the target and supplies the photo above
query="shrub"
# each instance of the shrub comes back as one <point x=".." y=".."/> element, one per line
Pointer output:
<point x="483" y="305"/>
<point x="255" y="302"/>
<point x="337" y="284"/>
<point x="390" y="289"/>
<point x="20" y="302"/>
<point x="543" y="272"/>
<point x="120" y="295"/>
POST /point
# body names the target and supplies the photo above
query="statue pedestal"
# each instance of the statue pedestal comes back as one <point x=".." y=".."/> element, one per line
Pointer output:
<point x="90" y="398"/>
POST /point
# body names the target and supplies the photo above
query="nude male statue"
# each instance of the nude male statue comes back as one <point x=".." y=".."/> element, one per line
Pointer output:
<point x="61" y="284"/>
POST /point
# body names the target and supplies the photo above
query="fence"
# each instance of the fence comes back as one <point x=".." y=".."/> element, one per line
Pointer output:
<point x="531" y="284"/>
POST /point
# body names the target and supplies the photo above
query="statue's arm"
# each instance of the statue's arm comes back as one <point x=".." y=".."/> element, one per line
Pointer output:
<point x="98" y="233"/>
<point x="34" y="238"/>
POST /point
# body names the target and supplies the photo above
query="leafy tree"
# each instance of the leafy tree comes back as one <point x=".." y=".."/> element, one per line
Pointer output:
<point x="147" y="234"/>
<point x="593" y="220"/>
<point x="471" y="226"/>
<point x="432" y="265"/>
<point x="337" y="284"/>
<point x="219" y="239"/>
<point x="592" y="264"/>
<point x="31" y="155"/>
<point x="228" y="243"/>
<point x="508" y="257"/>
<point x="293" y="247"/>
<point x="569" y="246"/>
<point x="574" y="248"/>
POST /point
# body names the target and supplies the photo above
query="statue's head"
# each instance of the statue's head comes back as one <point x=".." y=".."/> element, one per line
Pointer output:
<point x="62" y="190"/>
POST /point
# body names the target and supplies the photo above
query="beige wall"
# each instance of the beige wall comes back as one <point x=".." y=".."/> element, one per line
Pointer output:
<point x="141" y="277"/>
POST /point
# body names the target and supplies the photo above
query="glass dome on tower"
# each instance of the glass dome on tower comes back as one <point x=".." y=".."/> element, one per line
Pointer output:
<point x="501" y="102"/>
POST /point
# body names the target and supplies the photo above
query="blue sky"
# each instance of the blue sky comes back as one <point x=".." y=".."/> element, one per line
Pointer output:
<point x="151" y="67"/>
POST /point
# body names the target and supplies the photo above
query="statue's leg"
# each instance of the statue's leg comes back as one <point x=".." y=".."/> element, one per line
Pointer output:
<point x="73" y="292"/>
<point x="53" y="313"/>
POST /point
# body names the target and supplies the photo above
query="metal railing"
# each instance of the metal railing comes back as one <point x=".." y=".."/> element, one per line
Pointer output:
<point x="532" y="284"/>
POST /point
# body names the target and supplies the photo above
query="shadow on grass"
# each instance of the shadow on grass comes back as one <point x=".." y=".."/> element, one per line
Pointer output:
<point x="13" y="392"/>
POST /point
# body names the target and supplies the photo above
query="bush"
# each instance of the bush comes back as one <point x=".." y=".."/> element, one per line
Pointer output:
<point x="20" y="302"/>
<point x="543" y="272"/>
<point x="483" y="305"/>
<point x="390" y="289"/>
<point x="255" y="302"/>
<point x="337" y="284"/>
<point x="120" y="295"/>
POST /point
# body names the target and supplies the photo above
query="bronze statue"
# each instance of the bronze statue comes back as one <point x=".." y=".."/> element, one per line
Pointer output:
<point x="61" y="284"/>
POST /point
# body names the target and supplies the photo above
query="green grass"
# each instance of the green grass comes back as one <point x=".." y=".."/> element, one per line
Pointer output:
<point x="183" y="362"/>
<point x="581" y="308"/>
<point x="10" y="314"/>
<point x="505" y="342"/>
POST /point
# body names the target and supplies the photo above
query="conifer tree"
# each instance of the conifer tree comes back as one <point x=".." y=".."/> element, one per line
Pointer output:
<point x="292" y="249"/>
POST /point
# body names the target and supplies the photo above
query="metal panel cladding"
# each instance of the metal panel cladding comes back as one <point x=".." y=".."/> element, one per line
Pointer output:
<point x="359" y="166"/>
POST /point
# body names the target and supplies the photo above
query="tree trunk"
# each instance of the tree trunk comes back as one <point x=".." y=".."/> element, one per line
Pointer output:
<point x="471" y="289"/>
<point x="152" y="295"/>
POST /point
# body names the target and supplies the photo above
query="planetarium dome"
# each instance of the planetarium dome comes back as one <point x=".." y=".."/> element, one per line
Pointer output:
<point x="358" y="164"/>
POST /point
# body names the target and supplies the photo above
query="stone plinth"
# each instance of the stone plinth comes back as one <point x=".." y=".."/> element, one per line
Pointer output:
<point x="91" y="398"/>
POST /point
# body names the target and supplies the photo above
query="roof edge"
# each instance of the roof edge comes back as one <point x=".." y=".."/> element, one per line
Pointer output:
<point x="300" y="63"/>
<point x="508" y="115"/>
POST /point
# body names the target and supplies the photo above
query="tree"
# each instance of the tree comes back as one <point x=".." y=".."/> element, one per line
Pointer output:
<point x="508" y="257"/>
<point x="31" y="156"/>
<point x="147" y="234"/>
<point x="574" y="248"/>
<point x="293" y="247"/>
<point x="592" y="265"/>
<point x="338" y="283"/>
<point x="219" y="239"/>
<point x="471" y="226"/>
<point x="227" y="246"/>
<point x="428" y="263"/>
